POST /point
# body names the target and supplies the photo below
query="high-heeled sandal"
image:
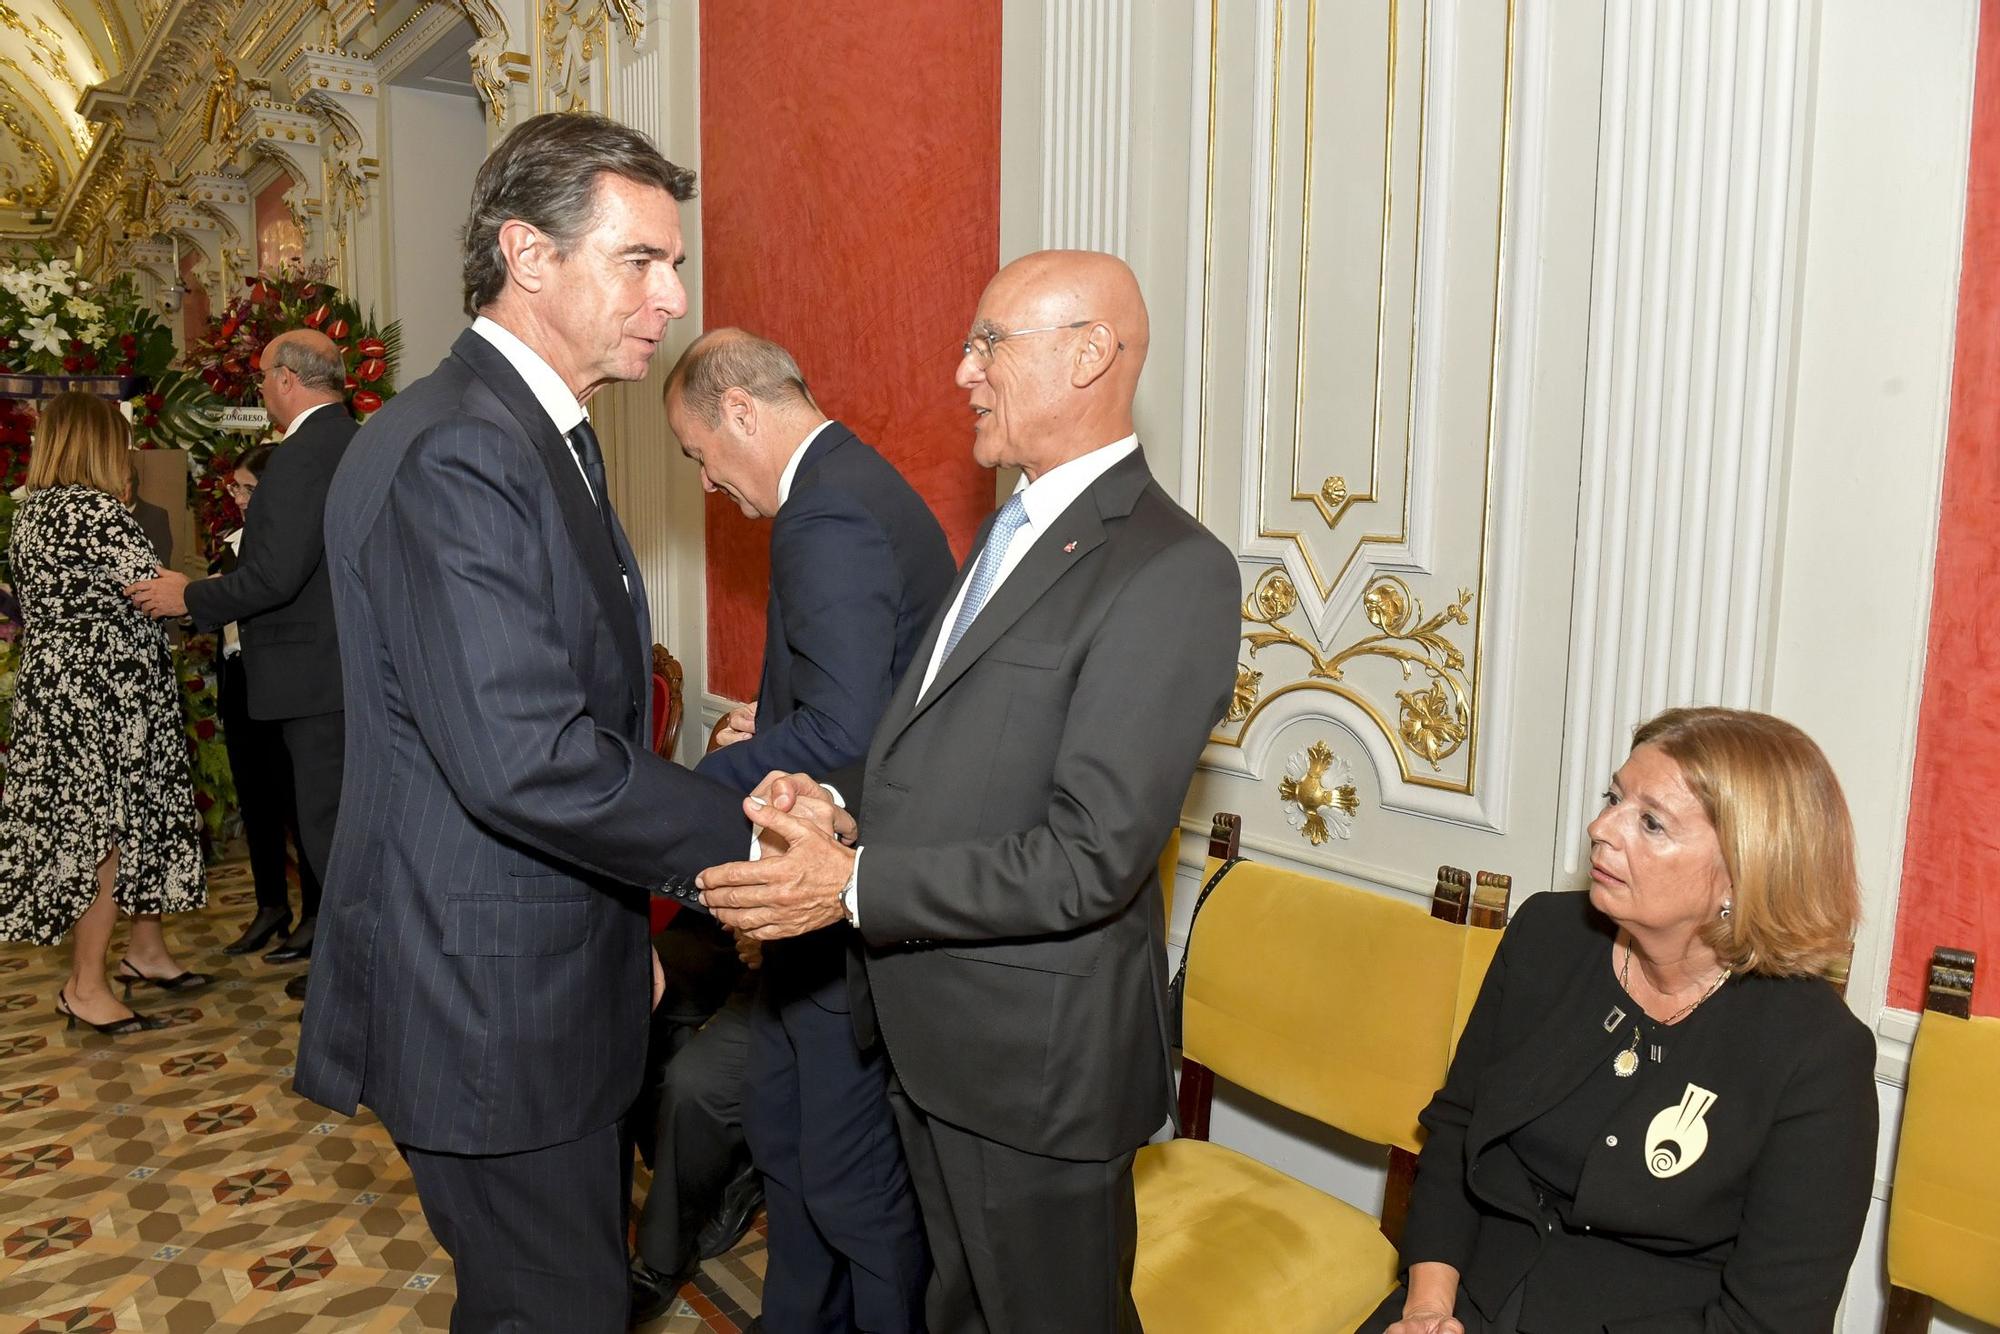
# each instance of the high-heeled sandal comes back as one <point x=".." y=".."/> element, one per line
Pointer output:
<point x="117" y="1028"/>
<point x="129" y="974"/>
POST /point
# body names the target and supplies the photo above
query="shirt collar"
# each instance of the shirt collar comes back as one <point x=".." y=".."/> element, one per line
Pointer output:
<point x="1056" y="490"/>
<point x="792" y="464"/>
<point x="543" y="382"/>
<point x="300" y="420"/>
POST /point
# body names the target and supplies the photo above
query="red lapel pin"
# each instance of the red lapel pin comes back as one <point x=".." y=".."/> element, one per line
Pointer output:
<point x="1068" y="549"/>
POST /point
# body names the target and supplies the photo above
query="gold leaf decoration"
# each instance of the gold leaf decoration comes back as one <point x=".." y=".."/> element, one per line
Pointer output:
<point x="1244" y="697"/>
<point x="1318" y="790"/>
<point x="1432" y="722"/>
<point x="1334" y="492"/>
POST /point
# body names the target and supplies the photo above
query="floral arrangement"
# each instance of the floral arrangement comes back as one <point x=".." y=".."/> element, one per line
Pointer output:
<point x="199" y="676"/>
<point x="53" y="321"/>
<point x="223" y="363"/>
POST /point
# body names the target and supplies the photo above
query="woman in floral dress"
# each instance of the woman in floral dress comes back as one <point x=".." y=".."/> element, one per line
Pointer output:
<point x="97" y="816"/>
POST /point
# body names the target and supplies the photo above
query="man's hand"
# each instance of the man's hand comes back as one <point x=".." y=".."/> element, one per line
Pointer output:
<point x="801" y="796"/>
<point x="785" y="895"/>
<point x="739" y="724"/>
<point x="749" y="950"/>
<point x="162" y="596"/>
<point x="659" y="977"/>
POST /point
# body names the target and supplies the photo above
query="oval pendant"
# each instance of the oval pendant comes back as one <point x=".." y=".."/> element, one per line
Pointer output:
<point x="1625" y="1064"/>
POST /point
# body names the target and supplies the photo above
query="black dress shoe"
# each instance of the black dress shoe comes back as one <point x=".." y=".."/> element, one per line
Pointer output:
<point x="652" y="1291"/>
<point x="296" y="987"/>
<point x="128" y="973"/>
<point x="267" y="923"/>
<point x="741" y="1199"/>
<point x="298" y="945"/>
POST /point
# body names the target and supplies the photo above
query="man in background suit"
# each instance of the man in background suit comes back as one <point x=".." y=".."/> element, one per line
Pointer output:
<point x="482" y="978"/>
<point x="279" y="596"/>
<point x="1015" y="800"/>
<point x="859" y="567"/>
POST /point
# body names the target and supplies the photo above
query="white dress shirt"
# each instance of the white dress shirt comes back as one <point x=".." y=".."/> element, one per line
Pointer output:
<point x="543" y="382"/>
<point x="791" y="471"/>
<point x="1045" y="499"/>
<point x="300" y="420"/>
<point x="232" y="638"/>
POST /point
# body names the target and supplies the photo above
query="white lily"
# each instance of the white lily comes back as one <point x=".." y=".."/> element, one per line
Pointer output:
<point x="88" y="311"/>
<point x="45" y="335"/>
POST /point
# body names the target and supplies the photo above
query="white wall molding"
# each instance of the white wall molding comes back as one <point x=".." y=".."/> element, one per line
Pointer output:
<point x="1087" y="124"/>
<point x="1699" y="219"/>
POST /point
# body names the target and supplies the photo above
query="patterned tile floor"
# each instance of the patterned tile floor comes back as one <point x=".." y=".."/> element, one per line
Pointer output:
<point x="172" y="1180"/>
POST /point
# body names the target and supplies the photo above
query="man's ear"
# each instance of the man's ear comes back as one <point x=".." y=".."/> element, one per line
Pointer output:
<point x="528" y="253"/>
<point x="1095" y="352"/>
<point x="739" y="411"/>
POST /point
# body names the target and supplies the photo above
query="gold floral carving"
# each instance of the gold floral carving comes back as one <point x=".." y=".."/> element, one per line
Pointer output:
<point x="1244" y="697"/>
<point x="1434" y="718"/>
<point x="1318" y="790"/>
<point x="1333" y="492"/>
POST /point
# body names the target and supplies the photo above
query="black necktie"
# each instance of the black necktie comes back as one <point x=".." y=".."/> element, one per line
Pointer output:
<point x="590" y="455"/>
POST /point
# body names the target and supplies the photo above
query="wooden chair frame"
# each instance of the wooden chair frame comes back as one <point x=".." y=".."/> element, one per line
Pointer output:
<point x="667" y="667"/>
<point x="1947" y="991"/>
<point x="1457" y="898"/>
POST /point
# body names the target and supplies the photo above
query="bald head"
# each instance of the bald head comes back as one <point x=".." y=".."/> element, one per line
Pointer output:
<point x="1056" y="349"/>
<point x="302" y="368"/>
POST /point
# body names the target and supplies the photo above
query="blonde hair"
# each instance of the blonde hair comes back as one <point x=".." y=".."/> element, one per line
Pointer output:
<point x="81" y="440"/>
<point x="1787" y="841"/>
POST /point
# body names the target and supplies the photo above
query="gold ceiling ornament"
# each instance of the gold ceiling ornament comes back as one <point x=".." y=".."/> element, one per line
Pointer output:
<point x="1333" y="491"/>
<point x="47" y="183"/>
<point x="1433" y="722"/>
<point x="1244" y="697"/>
<point x="1319" y="794"/>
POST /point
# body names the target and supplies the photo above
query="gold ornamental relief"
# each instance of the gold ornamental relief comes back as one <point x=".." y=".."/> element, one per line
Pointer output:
<point x="1433" y="719"/>
<point x="1319" y="794"/>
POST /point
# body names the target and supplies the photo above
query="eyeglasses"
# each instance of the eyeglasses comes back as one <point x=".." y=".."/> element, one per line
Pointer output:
<point x="238" y="491"/>
<point x="979" y="346"/>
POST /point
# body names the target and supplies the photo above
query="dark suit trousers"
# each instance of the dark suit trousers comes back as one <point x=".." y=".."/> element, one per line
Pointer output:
<point x="318" y="744"/>
<point x="1022" y="1244"/>
<point x="846" y="1243"/>
<point x="262" y="770"/>
<point x="537" y="1239"/>
<point x="696" y="1144"/>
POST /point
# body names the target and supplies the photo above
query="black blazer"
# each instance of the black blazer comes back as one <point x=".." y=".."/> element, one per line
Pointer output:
<point x="1757" y="1232"/>
<point x="859" y="569"/>
<point x="278" y="593"/>
<point x="1013" y="818"/>
<point x="481" y="976"/>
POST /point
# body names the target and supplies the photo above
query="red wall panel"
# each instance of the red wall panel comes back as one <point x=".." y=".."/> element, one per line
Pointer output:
<point x="850" y="186"/>
<point x="1952" y="862"/>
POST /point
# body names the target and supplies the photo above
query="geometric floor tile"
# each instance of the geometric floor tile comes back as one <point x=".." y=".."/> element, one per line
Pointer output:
<point x="171" y="1180"/>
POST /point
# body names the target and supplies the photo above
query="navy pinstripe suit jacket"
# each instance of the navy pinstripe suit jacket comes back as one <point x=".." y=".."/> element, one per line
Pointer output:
<point x="481" y="975"/>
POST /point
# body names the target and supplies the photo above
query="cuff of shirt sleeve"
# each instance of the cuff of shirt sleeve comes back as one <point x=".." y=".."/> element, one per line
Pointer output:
<point x="848" y="896"/>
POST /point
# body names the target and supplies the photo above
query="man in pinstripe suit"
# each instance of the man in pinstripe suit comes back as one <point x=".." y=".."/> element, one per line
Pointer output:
<point x="481" y="977"/>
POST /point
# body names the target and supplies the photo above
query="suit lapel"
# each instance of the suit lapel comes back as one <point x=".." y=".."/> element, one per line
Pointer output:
<point x="587" y="530"/>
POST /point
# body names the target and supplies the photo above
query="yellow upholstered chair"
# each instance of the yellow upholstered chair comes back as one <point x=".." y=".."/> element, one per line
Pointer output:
<point x="1170" y="865"/>
<point x="1339" y="1004"/>
<point x="1944" y="1204"/>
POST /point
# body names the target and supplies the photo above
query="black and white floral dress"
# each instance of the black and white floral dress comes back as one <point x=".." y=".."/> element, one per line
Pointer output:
<point x="99" y="757"/>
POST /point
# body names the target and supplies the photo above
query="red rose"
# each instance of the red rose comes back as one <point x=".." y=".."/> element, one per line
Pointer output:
<point x="128" y="342"/>
<point x="90" y="361"/>
<point x="204" y="728"/>
<point x="71" y="365"/>
<point x="126" y="368"/>
<point x="366" y="401"/>
<point x="193" y="686"/>
<point x="154" y="402"/>
<point x="371" y="369"/>
<point x="151" y="420"/>
<point x="202" y="802"/>
<point x="76" y="345"/>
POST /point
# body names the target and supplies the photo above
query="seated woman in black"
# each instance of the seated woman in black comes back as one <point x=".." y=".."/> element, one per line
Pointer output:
<point x="1660" y="1117"/>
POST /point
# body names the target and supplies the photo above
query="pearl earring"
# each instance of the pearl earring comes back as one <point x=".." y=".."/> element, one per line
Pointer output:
<point x="1725" y="910"/>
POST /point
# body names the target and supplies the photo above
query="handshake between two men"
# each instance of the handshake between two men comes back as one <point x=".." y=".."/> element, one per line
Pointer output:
<point x="799" y="882"/>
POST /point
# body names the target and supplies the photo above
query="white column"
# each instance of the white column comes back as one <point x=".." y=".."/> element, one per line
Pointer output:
<point x="1087" y="124"/>
<point x="1698" y="214"/>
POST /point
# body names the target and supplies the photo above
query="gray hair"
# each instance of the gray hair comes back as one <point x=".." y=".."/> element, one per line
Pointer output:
<point x="545" y="173"/>
<point x="306" y="359"/>
<point x="725" y="359"/>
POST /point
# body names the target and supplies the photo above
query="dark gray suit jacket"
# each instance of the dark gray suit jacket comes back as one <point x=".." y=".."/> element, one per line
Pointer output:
<point x="1014" y="815"/>
<point x="481" y="975"/>
<point x="278" y="593"/>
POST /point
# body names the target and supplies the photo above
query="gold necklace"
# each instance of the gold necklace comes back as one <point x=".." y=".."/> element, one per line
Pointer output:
<point x="1626" y="1063"/>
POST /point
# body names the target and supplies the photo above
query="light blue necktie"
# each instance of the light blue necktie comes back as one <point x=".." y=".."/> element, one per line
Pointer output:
<point x="987" y="573"/>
